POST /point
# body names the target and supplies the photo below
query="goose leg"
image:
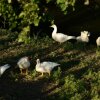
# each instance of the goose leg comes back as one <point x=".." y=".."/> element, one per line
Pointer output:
<point x="26" y="72"/>
<point x="49" y="73"/>
<point x="41" y="74"/>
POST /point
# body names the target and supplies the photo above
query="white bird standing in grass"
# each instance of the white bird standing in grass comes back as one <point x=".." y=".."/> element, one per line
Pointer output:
<point x="4" y="68"/>
<point x="45" y="67"/>
<point x="98" y="41"/>
<point x="60" y="37"/>
<point x="24" y="64"/>
<point x="84" y="37"/>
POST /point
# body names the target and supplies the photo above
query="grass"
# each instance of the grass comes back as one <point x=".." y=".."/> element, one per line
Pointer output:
<point x="77" y="77"/>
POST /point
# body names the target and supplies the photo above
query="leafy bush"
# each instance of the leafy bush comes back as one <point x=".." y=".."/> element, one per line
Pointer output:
<point x="94" y="80"/>
<point x="30" y="13"/>
<point x="8" y="14"/>
<point x="57" y="74"/>
<point x="72" y="89"/>
<point x="24" y="35"/>
<point x="17" y="14"/>
<point x="73" y="86"/>
<point x="65" y="4"/>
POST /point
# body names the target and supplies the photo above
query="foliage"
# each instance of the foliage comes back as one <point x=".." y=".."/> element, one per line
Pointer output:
<point x="98" y="52"/>
<point x="24" y="35"/>
<point x="72" y="89"/>
<point x="30" y="13"/>
<point x="18" y="14"/>
<point x="8" y="15"/>
<point x="57" y="74"/>
<point x="33" y="73"/>
<point x="71" y="81"/>
<point x="65" y="4"/>
<point x="75" y="89"/>
<point x="94" y="79"/>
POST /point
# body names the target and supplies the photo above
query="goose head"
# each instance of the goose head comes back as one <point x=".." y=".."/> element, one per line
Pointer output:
<point x="27" y="58"/>
<point x="85" y="33"/>
<point x="55" y="29"/>
<point x="53" y="26"/>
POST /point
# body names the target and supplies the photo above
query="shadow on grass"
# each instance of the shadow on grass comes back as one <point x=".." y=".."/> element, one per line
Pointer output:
<point x="7" y="38"/>
<point x="33" y="52"/>
<point x="67" y="65"/>
<point x="7" y="46"/>
<point x="43" y="53"/>
<point x="12" y="90"/>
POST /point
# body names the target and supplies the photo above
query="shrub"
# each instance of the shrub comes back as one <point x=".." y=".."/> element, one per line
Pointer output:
<point x="18" y="14"/>
<point x="73" y="89"/>
<point x="8" y="15"/>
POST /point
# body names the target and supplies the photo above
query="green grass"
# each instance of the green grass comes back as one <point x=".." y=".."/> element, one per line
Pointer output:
<point x="77" y="77"/>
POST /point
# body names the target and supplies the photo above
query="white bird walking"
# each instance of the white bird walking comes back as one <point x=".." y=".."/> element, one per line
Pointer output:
<point x="98" y="41"/>
<point x="60" y="37"/>
<point x="45" y="67"/>
<point x="84" y="37"/>
<point x="24" y="64"/>
<point x="4" y="68"/>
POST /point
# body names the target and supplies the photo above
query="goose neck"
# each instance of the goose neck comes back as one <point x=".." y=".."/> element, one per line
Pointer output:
<point x="55" y="30"/>
<point x="38" y="63"/>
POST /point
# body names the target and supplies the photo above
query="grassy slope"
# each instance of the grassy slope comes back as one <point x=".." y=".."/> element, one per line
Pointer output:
<point x="77" y="78"/>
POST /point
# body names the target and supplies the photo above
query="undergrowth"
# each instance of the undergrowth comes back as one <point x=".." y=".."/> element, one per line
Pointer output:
<point x="77" y="77"/>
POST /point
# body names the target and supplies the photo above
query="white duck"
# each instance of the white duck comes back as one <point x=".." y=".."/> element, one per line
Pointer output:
<point x="84" y="37"/>
<point x="60" y="37"/>
<point x="24" y="64"/>
<point x="4" y="68"/>
<point x="86" y="2"/>
<point x="98" y="41"/>
<point x="45" y="67"/>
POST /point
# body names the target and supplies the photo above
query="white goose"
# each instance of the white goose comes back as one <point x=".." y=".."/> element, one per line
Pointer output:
<point x="98" y="41"/>
<point x="87" y="2"/>
<point x="45" y="67"/>
<point x="60" y="37"/>
<point x="24" y="64"/>
<point x="84" y="37"/>
<point x="4" y="68"/>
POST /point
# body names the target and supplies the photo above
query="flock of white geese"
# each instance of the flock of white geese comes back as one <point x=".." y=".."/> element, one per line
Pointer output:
<point x="47" y="66"/>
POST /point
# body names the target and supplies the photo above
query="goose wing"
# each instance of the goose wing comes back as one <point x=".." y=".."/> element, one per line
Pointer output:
<point x="62" y="37"/>
<point x="3" y="68"/>
<point x="49" y="65"/>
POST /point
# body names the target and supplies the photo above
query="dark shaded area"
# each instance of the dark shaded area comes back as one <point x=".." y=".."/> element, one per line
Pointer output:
<point x="11" y="90"/>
